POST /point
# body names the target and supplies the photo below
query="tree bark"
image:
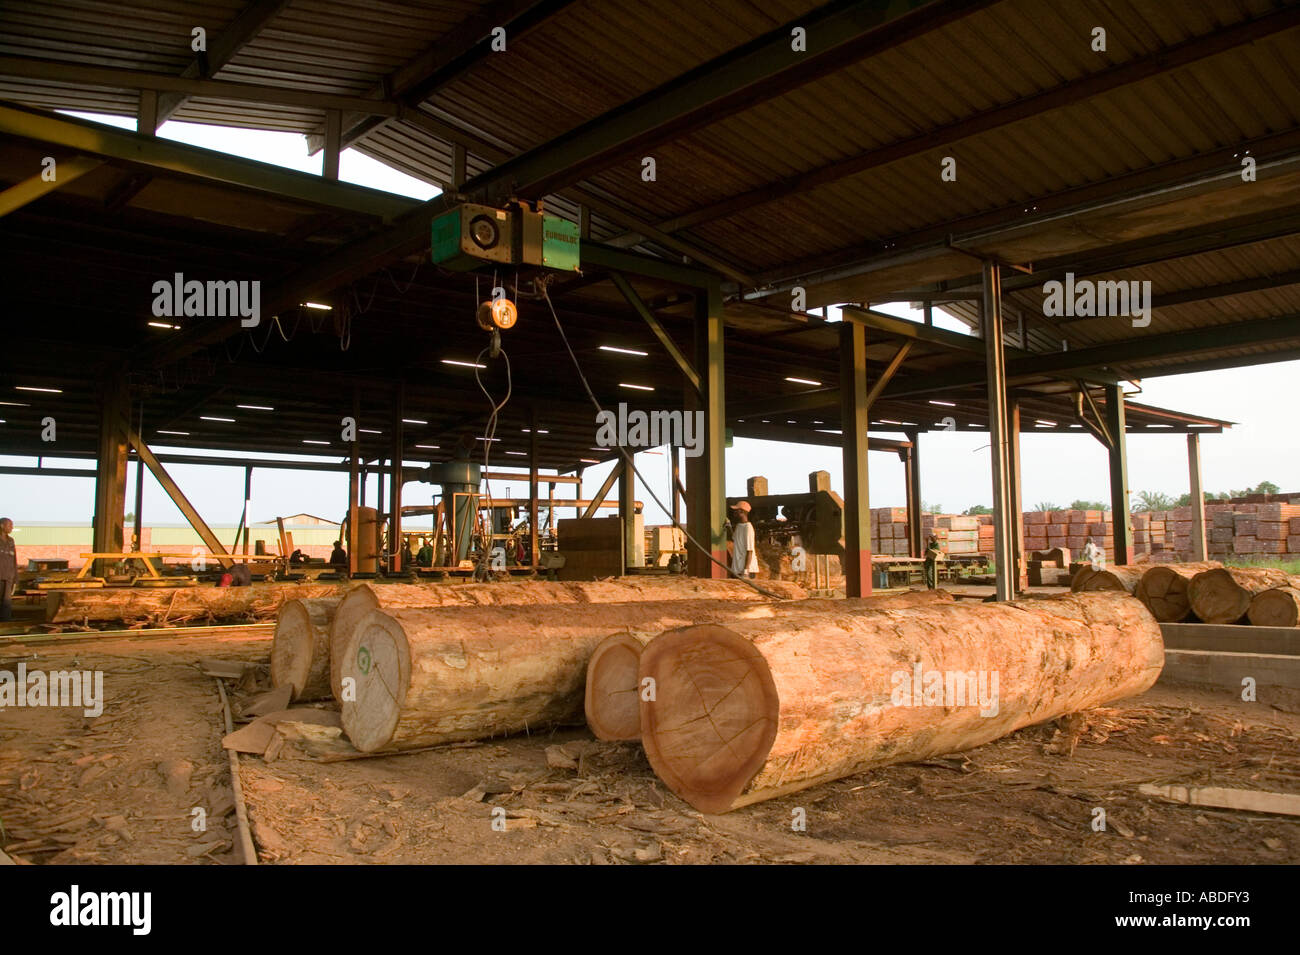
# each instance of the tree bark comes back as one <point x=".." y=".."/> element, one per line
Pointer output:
<point x="300" y="652"/>
<point x="1163" y="588"/>
<point x="1118" y="578"/>
<point x="610" y="700"/>
<point x="362" y="599"/>
<point x="424" y="677"/>
<point x="751" y="710"/>
<point x="1276" y="607"/>
<point x="173" y="607"/>
<point x="1223" y="595"/>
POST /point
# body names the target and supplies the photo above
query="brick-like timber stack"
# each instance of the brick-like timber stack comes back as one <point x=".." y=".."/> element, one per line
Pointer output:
<point x="1276" y="607"/>
<point x="360" y="600"/>
<point x="1223" y="595"/>
<point x="752" y="710"/>
<point x="300" y="651"/>
<point x="428" y="676"/>
<point x="610" y="700"/>
<point x="1163" y="588"/>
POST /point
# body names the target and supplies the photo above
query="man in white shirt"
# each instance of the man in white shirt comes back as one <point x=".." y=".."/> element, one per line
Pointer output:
<point x="744" y="552"/>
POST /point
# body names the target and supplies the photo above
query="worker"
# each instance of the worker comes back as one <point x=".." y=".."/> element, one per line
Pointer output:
<point x="241" y="576"/>
<point x="8" y="568"/>
<point x="425" y="555"/>
<point x="339" y="557"/>
<point x="297" y="558"/>
<point x="744" y="552"/>
<point x="932" y="556"/>
<point x="407" y="559"/>
<point x="1094" y="555"/>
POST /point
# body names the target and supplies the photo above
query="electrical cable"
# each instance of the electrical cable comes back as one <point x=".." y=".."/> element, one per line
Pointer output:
<point x="628" y="458"/>
<point x="489" y="436"/>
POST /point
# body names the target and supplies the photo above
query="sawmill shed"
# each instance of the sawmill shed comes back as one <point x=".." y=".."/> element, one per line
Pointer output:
<point x="722" y="176"/>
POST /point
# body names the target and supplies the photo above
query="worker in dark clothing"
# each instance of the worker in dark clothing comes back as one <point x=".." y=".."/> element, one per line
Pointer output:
<point x="425" y="556"/>
<point x="297" y="557"/>
<point x="932" y="555"/>
<point x="241" y="576"/>
<point x="339" y="557"/>
<point x="8" y="568"/>
<point x="407" y="559"/>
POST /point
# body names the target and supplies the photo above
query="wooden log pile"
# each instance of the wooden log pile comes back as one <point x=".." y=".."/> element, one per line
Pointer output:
<point x="132" y="607"/>
<point x="795" y="693"/>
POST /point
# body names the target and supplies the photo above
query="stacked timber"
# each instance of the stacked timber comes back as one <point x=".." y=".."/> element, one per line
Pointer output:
<point x="1163" y="588"/>
<point x="1224" y="594"/>
<point x="1276" y="607"/>
<point x="360" y="600"/>
<point x="422" y="677"/>
<point x="300" y="652"/>
<point x="610" y="699"/>
<point x="135" y="607"/>
<point x="749" y="710"/>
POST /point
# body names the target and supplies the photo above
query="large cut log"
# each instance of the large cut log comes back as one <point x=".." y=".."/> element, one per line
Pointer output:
<point x="364" y="598"/>
<point x="751" y="710"/>
<point x="1275" y="607"/>
<point x="1163" y="588"/>
<point x="424" y="677"/>
<point x="610" y="699"/>
<point x="1118" y="578"/>
<point x="1223" y="595"/>
<point x="180" y="605"/>
<point x="300" y="652"/>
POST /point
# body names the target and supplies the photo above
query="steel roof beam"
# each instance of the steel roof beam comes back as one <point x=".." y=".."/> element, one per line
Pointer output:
<point x="443" y="61"/>
<point x="221" y="50"/>
<point x="1065" y="94"/>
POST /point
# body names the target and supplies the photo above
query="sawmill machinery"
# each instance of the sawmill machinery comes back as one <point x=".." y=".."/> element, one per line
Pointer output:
<point x="813" y="520"/>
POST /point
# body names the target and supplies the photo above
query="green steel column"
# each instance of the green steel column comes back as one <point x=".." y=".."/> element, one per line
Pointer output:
<point x="1121" y="520"/>
<point x="996" y="380"/>
<point x="627" y="513"/>
<point x="855" y="416"/>
<point x="110" y="464"/>
<point x="706" y="477"/>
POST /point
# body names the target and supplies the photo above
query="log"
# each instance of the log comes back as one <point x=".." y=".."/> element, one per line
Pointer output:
<point x="1163" y="589"/>
<point x="362" y="599"/>
<point x="1118" y="578"/>
<point x="136" y="606"/>
<point x="425" y="677"/>
<point x="1223" y="595"/>
<point x="1275" y="607"/>
<point x="751" y="710"/>
<point x="610" y="699"/>
<point x="300" y="651"/>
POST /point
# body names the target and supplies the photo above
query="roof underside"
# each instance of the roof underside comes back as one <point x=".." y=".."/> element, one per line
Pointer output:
<point x="774" y="170"/>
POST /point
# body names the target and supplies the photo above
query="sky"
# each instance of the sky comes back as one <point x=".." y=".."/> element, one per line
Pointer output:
<point x="1057" y="469"/>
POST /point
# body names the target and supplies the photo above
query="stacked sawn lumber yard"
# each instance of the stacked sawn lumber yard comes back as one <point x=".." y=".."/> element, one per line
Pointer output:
<point x="735" y="696"/>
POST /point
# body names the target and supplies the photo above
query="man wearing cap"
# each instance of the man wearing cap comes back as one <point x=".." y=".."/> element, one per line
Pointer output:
<point x="744" y="554"/>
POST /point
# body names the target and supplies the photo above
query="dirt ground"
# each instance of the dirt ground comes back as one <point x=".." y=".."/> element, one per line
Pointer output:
<point x="124" y="787"/>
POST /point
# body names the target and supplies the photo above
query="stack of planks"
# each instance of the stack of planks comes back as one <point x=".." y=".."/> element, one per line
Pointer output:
<point x="1205" y="592"/>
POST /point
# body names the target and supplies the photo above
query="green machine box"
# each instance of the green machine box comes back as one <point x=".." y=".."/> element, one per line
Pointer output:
<point x="473" y="235"/>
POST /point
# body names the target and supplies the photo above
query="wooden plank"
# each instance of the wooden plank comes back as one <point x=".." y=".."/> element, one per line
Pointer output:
<point x="1228" y="670"/>
<point x="1249" y="800"/>
<point x="1231" y="638"/>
